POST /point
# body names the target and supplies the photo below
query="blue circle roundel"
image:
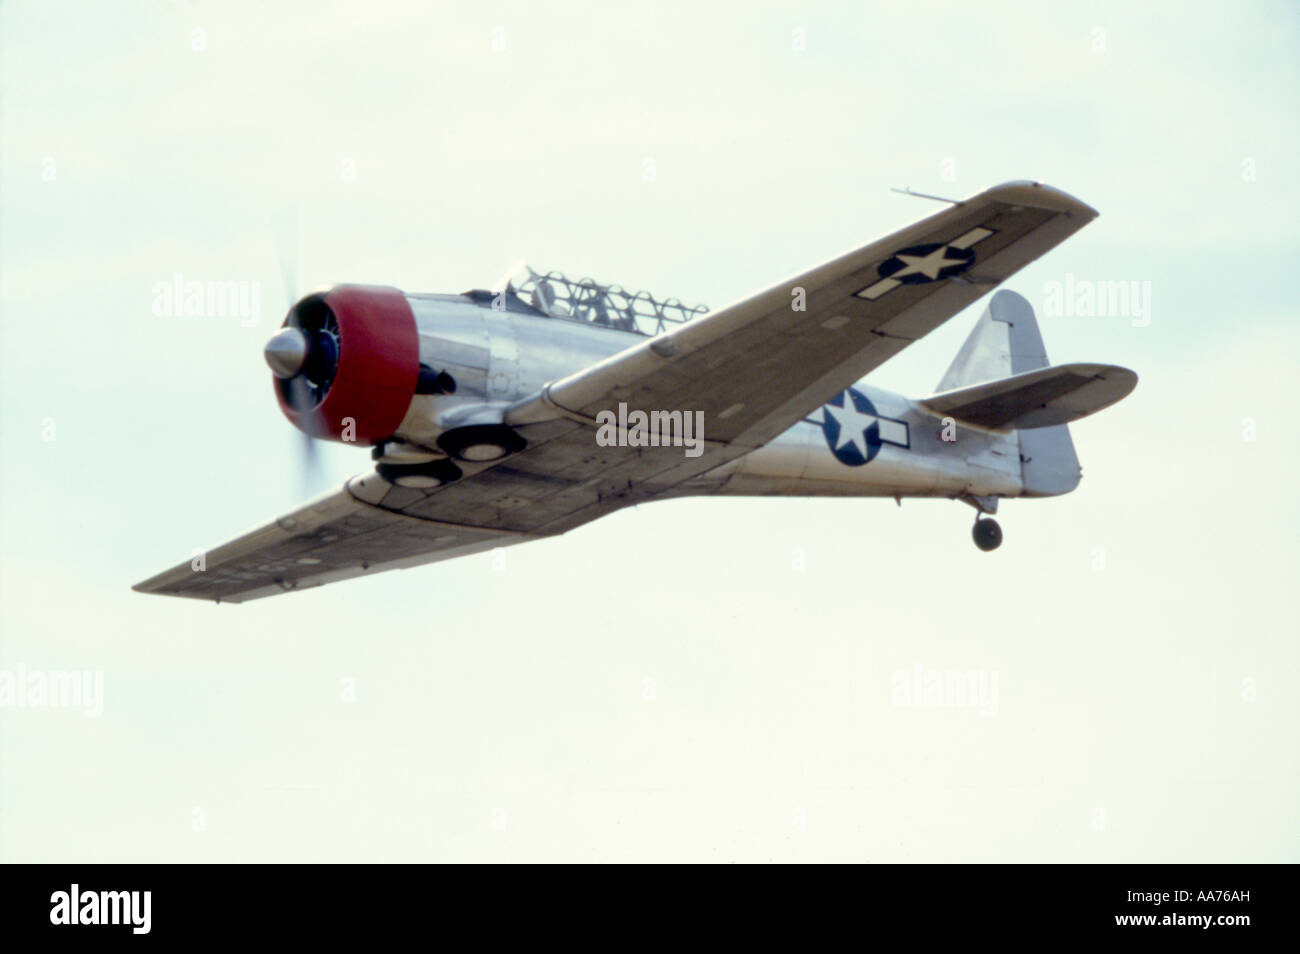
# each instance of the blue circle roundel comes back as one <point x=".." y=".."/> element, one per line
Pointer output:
<point x="851" y="428"/>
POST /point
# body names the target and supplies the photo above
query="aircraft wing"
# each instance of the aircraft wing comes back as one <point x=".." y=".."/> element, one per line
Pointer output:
<point x="758" y="366"/>
<point x="335" y="537"/>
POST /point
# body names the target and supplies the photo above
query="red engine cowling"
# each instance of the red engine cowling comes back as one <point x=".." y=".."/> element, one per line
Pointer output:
<point x="348" y="369"/>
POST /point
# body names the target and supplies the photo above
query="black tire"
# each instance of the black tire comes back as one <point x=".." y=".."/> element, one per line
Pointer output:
<point x="481" y="443"/>
<point x="987" y="534"/>
<point x="426" y="476"/>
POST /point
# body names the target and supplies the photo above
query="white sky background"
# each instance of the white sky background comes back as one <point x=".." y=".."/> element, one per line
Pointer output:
<point x="502" y="714"/>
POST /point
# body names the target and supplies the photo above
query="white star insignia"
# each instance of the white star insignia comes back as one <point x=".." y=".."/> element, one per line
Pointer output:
<point x="928" y="265"/>
<point x="853" y="424"/>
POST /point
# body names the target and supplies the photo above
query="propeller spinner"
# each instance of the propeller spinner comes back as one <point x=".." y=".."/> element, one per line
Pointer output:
<point x="286" y="352"/>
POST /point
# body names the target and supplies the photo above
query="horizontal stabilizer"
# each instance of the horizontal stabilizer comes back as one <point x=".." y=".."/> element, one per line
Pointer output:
<point x="1042" y="398"/>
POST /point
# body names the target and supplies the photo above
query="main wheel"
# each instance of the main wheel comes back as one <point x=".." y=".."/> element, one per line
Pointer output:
<point x="987" y="534"/>
<point x="478" y="443"/>
<point x="424" y="476"/>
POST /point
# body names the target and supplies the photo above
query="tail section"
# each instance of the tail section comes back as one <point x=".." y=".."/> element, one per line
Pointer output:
<point x="1006" y="342"/>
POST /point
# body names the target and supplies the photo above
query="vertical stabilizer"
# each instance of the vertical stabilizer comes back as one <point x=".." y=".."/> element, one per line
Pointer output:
<point x="1005" y="341"/>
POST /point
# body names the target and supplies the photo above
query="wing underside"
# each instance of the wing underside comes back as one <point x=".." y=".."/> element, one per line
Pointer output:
<point x="335" y="537"/>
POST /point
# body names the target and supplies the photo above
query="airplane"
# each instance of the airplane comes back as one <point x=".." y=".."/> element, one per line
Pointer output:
<point x="523" y="411"/>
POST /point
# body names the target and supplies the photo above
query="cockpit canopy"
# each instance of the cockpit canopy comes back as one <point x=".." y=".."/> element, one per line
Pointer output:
<point x="584" y="299"/>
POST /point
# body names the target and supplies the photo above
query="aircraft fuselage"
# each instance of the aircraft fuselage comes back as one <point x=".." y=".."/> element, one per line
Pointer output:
<point x="887" y="446"/>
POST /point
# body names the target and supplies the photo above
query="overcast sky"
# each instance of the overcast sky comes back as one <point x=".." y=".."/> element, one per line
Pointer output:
<point x="699" y="679"/>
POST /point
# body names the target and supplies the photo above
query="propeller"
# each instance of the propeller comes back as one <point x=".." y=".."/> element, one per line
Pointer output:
<point x="296" y="359"/>
<point x="309" y="467"/>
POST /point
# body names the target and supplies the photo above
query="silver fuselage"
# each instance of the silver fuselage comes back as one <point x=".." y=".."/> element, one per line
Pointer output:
<point x="506" y="355"/>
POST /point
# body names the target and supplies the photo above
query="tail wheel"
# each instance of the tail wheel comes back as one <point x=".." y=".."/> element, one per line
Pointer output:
<point x="479" y="443"/>
<point x="987" y="534"/>
<point x="424" y="476"/>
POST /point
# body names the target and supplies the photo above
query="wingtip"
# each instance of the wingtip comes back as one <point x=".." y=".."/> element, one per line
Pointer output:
<point x="1041" y="195"/>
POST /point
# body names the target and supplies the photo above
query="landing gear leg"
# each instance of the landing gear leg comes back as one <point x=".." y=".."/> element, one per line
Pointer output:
<point x="986" y="533"/>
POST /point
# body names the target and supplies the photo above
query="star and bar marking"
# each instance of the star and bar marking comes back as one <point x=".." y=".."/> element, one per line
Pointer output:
<point x="855" y="432"/>
<point x="925" y="263"/>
